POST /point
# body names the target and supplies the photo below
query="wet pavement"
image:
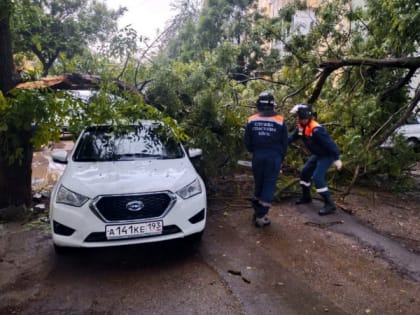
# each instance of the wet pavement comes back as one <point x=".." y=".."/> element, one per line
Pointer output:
<point x="261" y="283"/>
<point x="405" y="261"/>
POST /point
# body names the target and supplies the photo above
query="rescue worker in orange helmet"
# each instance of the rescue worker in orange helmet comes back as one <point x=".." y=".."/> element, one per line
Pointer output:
<point x="324" y="153"/>
<point x="266" y="137"/>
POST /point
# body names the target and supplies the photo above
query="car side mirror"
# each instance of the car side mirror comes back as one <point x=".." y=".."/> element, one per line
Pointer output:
<point x="194" y="153"/>
<point x="59" y="156"/>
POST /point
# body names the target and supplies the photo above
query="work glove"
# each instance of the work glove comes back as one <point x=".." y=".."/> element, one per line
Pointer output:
<point x="338" y="165"/>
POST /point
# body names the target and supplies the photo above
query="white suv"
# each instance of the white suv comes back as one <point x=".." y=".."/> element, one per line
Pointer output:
<point x="128" y="185"/>
<point x="410" y="131"/>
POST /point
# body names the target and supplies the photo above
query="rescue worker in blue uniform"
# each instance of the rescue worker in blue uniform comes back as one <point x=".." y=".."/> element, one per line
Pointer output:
<point x="324" y="153"/>
<point x="266" y="138"/>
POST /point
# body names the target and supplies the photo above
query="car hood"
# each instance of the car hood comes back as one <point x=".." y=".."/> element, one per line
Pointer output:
<point x="413" y="129"/>
<point x="125" y="177"/>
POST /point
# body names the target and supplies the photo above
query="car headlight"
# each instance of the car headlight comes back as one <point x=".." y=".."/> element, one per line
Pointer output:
<point x="190" y="190"/>
<point x="69" y="197"/>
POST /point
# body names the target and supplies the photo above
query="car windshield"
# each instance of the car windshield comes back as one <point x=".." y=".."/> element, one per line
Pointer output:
<point x="106" y="143"/>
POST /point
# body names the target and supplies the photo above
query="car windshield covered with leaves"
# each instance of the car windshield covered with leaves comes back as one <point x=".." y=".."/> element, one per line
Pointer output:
<point x="107" y="143"/>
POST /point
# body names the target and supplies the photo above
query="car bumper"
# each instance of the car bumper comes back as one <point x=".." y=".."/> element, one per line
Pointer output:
<point x="81" y="227"/>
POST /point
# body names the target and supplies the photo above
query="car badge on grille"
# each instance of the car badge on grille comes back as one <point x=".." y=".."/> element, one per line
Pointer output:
<point x="135" y="205"/>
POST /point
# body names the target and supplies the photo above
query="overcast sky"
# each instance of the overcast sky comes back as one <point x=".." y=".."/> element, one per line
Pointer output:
<point x="145" y="16"/>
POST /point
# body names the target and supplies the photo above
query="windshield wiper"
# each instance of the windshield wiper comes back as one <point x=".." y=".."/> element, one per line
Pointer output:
<point x="87" y="159"/>
<point x="169" y="157"/>
<point x="134" y="156"/>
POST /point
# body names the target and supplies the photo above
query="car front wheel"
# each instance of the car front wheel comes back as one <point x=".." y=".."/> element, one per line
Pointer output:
<point x="413" y="143"/>
<point x="61" y="250"/>
<point x="194" y="240"/>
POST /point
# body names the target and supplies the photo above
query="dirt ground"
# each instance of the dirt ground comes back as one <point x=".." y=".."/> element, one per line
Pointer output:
<point x="365" y="259"/>
<point x="396" y="216"/>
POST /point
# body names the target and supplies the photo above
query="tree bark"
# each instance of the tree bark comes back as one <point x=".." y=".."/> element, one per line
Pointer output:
<point x="76" y="81"/>
<point x="6" y="57"/>
<point x="405" y="63"/>
<point x="16" y="178"/>
<point x="410" y="63"/>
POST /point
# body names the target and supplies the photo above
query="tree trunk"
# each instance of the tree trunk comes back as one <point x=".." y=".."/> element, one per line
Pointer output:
<point x="6" y="56"/>
<point x="16" y="179"/>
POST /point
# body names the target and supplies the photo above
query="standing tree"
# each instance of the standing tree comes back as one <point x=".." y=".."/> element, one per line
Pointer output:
<point x="7" y="81"/>
<point x="55" y="29"/>
<point x="8" y="76"/>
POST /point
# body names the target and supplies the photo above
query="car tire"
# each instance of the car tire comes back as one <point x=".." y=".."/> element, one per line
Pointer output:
<point x="61" y="250"/>
<point x="412" y="142"/>
<point x="194" y="240"/>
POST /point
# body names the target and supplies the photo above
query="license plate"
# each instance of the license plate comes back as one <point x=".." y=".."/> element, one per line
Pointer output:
<point x="133" y="230"/>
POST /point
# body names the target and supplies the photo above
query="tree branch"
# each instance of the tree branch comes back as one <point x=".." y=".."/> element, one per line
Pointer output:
<point x="320" y="83"/>
<point x="75" y="81"/>
<point x="412" y="63"/>
<point x="248" y="78"/>
<point x="403" y="81"/>
<point x="406" y="62"/>
<point x="124" y="67"/>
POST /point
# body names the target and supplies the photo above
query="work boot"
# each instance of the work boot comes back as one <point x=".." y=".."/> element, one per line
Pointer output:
<point x="256" y="205"/>
<point x="306" y="196"/>
<point x="263" y="221"/>
<point x="329" y="206"/>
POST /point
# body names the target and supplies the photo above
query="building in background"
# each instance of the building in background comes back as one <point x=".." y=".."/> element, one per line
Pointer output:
<point x="303" y="20"/>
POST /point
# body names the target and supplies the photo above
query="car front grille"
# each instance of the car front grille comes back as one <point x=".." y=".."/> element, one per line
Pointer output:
<point x="111" y="208"/>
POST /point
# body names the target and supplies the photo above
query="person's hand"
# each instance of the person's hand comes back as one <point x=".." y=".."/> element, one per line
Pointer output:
<point x="338" y="165"/>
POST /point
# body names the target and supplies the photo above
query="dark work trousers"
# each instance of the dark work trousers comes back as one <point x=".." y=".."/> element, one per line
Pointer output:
<point x="266" y="167"/>
<point x="316" y="167"/>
